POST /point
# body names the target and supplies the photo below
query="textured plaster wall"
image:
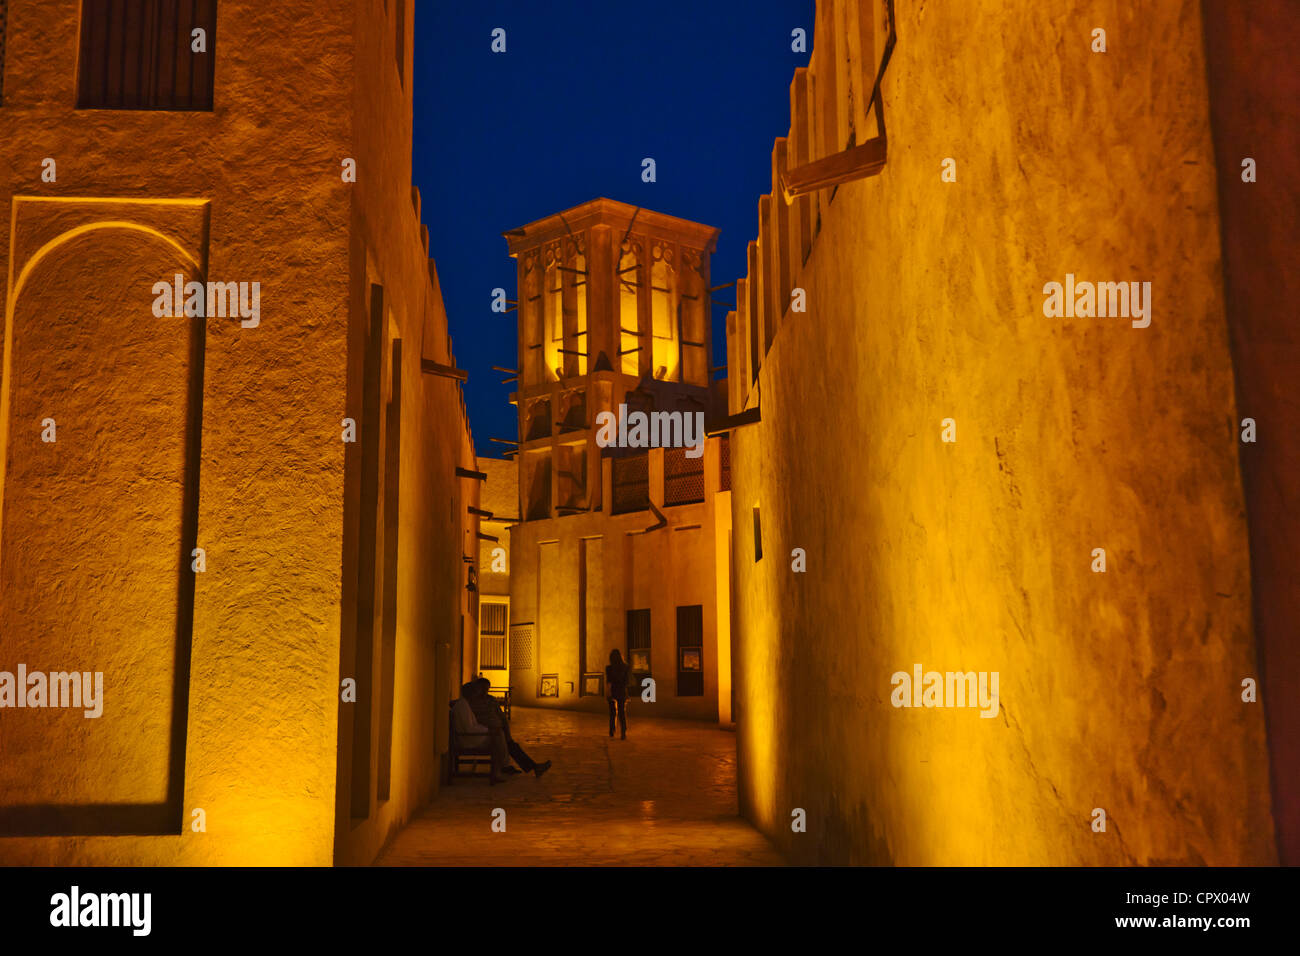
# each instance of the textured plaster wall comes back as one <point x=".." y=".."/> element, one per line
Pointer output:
<point x="260" y="720"/>
<point x="259" y="727"/>
<point x="1119" y="690"/>
<point x="1255" y="107"/>
<point x="661" y="570"/>
<point x="434" y="527"/>
<point x="499" y="495"/>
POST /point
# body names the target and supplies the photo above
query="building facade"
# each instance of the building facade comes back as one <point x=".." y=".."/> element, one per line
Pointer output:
<point x="1078" y="503"/>
<point x="245" y="515"/>
<point x="499" y="504"/>
<point x="618" y="546"/>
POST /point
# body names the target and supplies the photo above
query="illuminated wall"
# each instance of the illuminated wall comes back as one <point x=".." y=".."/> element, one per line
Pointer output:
<point x="222" y="686"/>
<point x="1118" y="690"/>
<point x="1255" y="99"/>
<point x="575" y="578"/>
<point x="500" y="496"/>
<point x="611" y="311"/>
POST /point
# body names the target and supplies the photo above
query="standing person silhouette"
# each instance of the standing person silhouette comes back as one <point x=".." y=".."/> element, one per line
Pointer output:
<point x="616" y="683"/>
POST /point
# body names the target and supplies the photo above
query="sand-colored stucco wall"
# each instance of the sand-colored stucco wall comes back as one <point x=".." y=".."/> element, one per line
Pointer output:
<point x="252" y="191"/>
<point x="1118" y="690"/>
<point x="1255" y="107"/>
<point x="258" y="754"/>
<point x="660" y="570"/>
<point x="499" y="495"/>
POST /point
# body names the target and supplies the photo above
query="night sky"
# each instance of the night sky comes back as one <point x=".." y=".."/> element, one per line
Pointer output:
<point x="583" y="93"/>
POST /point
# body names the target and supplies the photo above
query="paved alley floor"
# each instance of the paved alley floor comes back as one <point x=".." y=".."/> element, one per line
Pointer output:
<point x="666" y="796"/>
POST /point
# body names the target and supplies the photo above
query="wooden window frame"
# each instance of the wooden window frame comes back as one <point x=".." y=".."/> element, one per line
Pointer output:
<point x="690" y="682"/>
<point x="124" y="61"/>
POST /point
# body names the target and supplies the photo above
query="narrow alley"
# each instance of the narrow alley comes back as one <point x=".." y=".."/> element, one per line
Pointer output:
<point x="666" y="796"/>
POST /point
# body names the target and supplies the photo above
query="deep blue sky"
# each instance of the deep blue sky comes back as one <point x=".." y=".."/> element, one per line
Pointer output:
<point x="585" y="90"/>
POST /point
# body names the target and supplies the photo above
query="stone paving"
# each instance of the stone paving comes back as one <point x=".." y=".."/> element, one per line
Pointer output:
<point x="666" y="796"/>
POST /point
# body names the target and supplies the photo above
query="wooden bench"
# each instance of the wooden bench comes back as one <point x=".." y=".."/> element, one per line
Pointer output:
<point x="459" y="754"/>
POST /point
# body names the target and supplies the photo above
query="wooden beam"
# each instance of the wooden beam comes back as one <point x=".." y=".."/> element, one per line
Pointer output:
<point x="631" y="222"/>
<point x="859" y="162"/>
<point x="431" y="367"/>
<point x="719" y="426"/>
<point x="661" y="523"/>
<point x="466" y="473"/>
<point x="487" y="537"/>
<point x="478" y="511"/>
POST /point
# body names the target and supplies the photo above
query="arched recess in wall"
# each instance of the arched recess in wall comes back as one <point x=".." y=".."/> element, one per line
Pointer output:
<point x="97" y="525"/>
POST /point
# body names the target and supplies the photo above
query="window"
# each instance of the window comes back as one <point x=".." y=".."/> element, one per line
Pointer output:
<point x="492" y="637"/>
<point x="538" y="420"/>
<point x="629" y="298"/>
<point x="494" y="619"/>
<point x="530" y="322"/>
<point x="555" y="302"/>
<point x="683" y="477"/>
<point x="692" y="328"/>
<point x="538" y="503"/>
<point x="631" y="483"/>
<point x="571" y="477"/>
<point x="690" y="651"/>
<point x="141" y="54"/>
<point x="663" y="319"/>
<point x="664" y="316"/>
<point x="573" y="410"/>
<point x="638" y="647"/>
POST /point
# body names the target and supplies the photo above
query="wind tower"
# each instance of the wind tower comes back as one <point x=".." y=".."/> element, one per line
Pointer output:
<point x="613" y="299"/>
<point x="617" y="548"/>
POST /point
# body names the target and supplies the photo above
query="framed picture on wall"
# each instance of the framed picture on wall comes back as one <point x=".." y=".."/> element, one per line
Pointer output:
<point x="549" y="686"/>
<point x="593" y="685"/>
<point x="639" y="660"/>
<point x="690" y="659"/>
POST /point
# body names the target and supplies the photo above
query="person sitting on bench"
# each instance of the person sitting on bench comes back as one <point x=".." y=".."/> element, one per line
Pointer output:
<point x="473" y="734"/>
<point x="488" y="713"/>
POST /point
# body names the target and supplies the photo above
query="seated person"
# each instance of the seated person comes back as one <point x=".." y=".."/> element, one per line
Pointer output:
<point x="470" y="733"/>
<point x="488" y="713"/>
